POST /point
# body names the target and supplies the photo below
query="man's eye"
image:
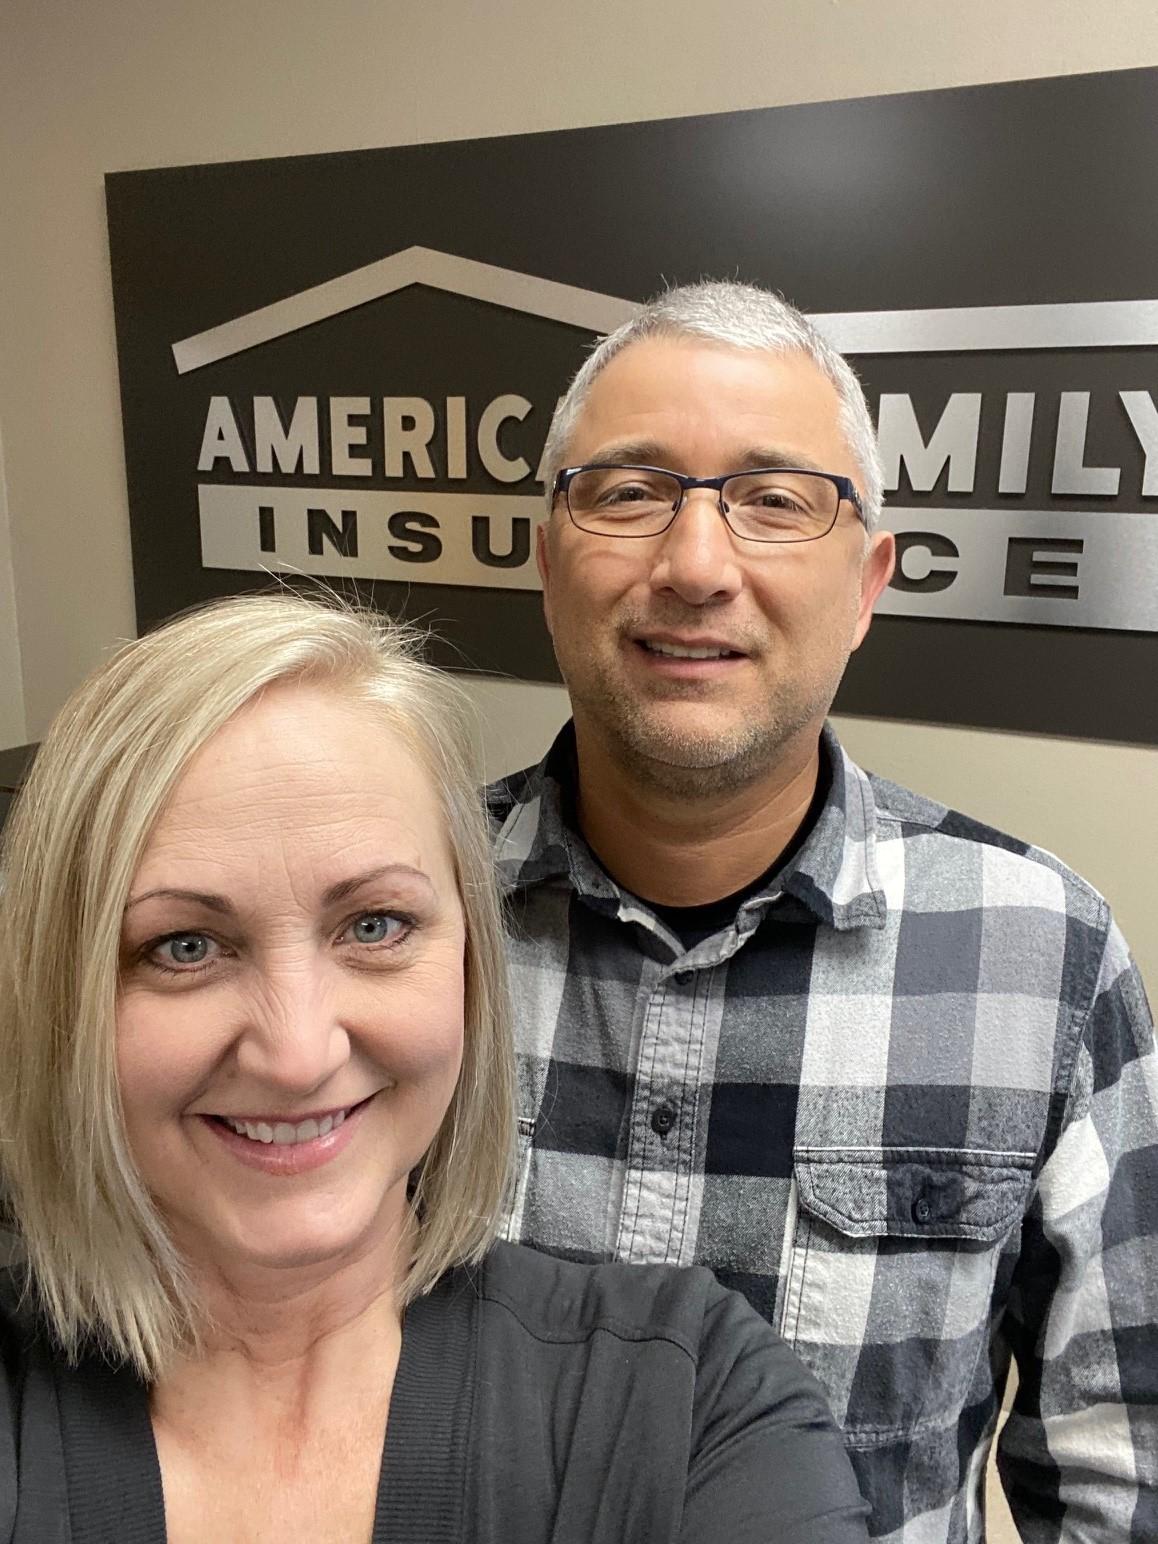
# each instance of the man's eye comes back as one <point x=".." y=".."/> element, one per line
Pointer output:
<point x="773" y="499"/>
<point x="629" y="493"/>
<point x="378" y="927"/>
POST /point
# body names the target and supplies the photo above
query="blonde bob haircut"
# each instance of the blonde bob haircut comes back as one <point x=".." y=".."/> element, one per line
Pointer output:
<point x="100" y="1260"/>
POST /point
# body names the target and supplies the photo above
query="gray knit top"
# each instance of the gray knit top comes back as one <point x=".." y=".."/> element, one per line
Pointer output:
<point x="536" y="1402"/>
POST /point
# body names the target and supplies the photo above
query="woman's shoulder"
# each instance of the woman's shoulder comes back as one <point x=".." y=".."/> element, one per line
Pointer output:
<point x="663" y="1394"/>
<point x="737" y="1360"/>
<point x="564" y="1300"/>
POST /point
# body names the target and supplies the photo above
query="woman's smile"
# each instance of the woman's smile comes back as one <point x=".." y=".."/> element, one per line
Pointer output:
<point x="274" y="1145"/>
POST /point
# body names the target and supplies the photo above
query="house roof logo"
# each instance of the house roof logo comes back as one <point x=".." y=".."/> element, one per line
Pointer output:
<point x="953" y="330"/>
<point x="413" y="265"/>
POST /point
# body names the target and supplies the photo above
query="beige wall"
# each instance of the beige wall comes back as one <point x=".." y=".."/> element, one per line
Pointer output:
<point x="89" y="86"/>
<point x="12" y="721"/>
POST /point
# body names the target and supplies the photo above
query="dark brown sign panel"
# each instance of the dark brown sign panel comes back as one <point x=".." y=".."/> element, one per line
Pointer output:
<point x="345" y="365"/>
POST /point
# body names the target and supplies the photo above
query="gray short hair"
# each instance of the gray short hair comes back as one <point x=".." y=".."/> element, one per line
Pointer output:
<point x="742" y="316"/>
<point x="99" y="1255"/>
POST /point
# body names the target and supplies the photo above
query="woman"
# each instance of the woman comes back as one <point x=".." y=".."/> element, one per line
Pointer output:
<point x="255" y="1133"/>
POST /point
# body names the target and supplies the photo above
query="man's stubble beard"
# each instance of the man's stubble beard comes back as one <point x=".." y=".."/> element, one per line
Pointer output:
<point x="656" y="755"/>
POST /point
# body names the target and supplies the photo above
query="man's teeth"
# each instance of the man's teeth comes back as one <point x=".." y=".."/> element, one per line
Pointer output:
<point x="283" y="1134"/>
<point x="679" y="651"/>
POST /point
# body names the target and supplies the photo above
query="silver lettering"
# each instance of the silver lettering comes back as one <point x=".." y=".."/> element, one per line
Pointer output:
<point x="501" y="467"/>
<point x="1070" y="472"/>
<point x="408" y="423"/>
<point x="1143" y="418"/>
<point x="953" y="441"/>
<point x="344" y="435"/>
<point x="295" y="449"/>
<point x="221" y="440"/>
<point x="456" y="438"/>
<point x="1015" y="442"/>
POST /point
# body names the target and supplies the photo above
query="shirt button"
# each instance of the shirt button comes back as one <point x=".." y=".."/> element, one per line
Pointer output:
<point x="922" y="1209"/>
<point x="663" y="1118"/>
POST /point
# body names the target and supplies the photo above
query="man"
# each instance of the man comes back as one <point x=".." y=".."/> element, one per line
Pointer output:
<point x="886" y="1071"/>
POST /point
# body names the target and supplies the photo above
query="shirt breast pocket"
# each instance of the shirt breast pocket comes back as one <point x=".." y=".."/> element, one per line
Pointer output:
<point x="894" y="1275"/>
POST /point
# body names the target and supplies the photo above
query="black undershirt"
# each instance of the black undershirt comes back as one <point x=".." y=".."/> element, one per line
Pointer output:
<point x="692" y="924"/>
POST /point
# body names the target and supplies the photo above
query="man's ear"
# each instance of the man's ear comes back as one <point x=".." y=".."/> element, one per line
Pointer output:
<point x="879" y="562"/>
<point x="543" y="562"/>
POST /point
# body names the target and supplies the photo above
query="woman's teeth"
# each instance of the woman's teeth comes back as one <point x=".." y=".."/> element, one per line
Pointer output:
<point x="283" y="1133"/>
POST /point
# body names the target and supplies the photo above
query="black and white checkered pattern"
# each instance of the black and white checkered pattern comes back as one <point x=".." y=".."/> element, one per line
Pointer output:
<point x="907" y="1103"/>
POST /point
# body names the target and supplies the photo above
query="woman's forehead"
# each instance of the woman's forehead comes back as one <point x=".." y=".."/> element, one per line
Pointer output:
<point x="303" y="731"/>
<point x="300" y="771"/>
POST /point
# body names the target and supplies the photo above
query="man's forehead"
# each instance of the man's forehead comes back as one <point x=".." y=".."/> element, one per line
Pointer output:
<point x="658" y="352"/>
<point x="661" y="392"/>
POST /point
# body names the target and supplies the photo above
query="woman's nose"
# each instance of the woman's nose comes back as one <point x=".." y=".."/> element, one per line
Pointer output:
<point x="292" y="1038"/>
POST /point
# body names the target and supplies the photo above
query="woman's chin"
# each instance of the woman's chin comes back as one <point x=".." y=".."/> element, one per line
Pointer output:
<point x="313" y="1240"/>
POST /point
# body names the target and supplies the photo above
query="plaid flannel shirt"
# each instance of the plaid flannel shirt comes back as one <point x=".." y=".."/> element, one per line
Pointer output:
<point x="906" y="1102"/>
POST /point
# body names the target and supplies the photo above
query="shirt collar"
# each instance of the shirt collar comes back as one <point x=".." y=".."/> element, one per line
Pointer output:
<point x="832" y="879"/>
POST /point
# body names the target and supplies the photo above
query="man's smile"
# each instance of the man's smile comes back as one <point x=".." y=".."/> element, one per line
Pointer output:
<point x="674" y="646"/>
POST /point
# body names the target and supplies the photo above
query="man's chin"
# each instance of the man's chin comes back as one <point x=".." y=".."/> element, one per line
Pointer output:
<point x="675" y="750"/>
<point x="690" y="753"/>
<point x="686" y="746"/>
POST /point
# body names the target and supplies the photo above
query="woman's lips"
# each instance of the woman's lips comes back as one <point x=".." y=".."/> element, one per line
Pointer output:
<point x="288" y="1158"/>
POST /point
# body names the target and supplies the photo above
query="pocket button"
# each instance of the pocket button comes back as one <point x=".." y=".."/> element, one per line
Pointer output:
<point x="922" y="1209"/>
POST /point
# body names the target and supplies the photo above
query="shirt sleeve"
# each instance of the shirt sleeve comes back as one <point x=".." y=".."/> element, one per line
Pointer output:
<point x="1078" y="1456"/>
<point x="766" y="1462"/>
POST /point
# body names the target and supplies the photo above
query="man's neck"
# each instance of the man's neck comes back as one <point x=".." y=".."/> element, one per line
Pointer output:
<point x="680" y="851"/>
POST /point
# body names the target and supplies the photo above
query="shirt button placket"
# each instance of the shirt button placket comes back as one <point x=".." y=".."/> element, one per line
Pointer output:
<point x="654" y="1208"/>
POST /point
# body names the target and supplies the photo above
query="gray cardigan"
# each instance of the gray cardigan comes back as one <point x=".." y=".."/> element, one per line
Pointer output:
<point x="536" y="1402"/>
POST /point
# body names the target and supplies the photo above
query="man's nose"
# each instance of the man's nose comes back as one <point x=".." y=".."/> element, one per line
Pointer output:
<point x="697" y="558"/>
<point x="292" y="1038"/>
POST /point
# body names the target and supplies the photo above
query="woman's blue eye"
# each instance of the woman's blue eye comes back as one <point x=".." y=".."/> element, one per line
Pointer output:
<point x="376" y="927"/>
<point x="184" y="949"/>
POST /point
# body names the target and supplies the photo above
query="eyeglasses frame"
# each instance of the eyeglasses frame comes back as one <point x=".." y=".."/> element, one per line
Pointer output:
<point x="845" y="488"/>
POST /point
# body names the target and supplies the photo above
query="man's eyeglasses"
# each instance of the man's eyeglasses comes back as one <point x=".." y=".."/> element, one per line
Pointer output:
<point x="771" y="504"/>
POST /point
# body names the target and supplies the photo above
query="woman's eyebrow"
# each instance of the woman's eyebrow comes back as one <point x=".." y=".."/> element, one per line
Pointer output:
<point x="348" y="887"/>
<point x="197" y="897"/>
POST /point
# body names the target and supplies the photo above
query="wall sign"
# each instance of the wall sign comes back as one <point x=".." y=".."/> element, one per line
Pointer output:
<point x="345" y="365"/>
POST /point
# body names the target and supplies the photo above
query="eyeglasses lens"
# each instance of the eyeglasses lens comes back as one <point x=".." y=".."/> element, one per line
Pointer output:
<point x="769" y="506"/>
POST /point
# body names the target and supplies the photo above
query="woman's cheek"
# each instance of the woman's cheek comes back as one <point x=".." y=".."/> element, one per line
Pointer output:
<point x="417" y="1026"/>
<point x="166" y="1045"/>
